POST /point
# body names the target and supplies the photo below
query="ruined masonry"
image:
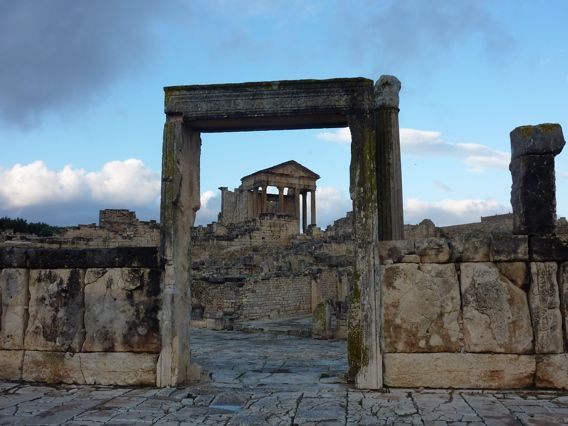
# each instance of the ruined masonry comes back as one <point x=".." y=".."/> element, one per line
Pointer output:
<point x="482" y="306"/>
<point x="252" y="199"/>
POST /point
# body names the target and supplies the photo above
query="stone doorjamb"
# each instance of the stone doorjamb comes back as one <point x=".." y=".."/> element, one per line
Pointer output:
<point x="276" y="105"/>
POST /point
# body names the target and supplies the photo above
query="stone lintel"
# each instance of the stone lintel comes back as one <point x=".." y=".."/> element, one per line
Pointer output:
<point x="541" y="139"/>
<point x="459" y="370"/>
<point x="50" y="258"/>
<point x="272" y="105"/>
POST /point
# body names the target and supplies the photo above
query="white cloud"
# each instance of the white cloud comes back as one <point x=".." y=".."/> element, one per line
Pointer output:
<point x="342" y="136"/>
<point x="428" y="142"/>
<point x="332" y="203"/>
<point x="210" y="208"/>
<point x="126" y="181"/>
<point x="68" y="193"/>
<point x="451" y="212"/>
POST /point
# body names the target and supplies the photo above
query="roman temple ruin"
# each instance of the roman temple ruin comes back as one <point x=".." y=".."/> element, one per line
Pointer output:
<point x="479" y="305"/>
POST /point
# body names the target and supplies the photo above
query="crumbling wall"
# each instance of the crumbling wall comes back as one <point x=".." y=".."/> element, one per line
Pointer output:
<point x="264" y="269"/>
<point x="85" y="316"/>
<point x="117" y="228"/>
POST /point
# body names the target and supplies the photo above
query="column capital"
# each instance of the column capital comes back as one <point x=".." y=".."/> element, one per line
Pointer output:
<point x="387" y="88"/>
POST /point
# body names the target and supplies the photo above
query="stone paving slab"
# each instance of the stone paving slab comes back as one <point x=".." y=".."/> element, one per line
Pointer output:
<point x="261" y="379"/>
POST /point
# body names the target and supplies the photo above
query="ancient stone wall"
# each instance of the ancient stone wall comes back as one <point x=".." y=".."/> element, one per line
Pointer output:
<point x="264" y="269"/>
<point x="86" y="316"/>
<point x="116" y="228"/>
<point x="485" y="312"/>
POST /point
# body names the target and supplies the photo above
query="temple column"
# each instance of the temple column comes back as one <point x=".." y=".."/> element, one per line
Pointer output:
<point x="254" y="211"/>
<point x="389" y="176"/>
<point x="313" y="208"/>
<point x="280" y="199"/>
<point x="297" y="206"/>
<point x="264" y="201"/>
<point x="304" y="211"/>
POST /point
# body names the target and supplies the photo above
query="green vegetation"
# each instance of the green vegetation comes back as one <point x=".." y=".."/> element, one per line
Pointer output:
<point x="22" y="226"/>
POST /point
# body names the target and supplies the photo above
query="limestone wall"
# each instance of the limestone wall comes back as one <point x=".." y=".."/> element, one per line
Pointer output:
<point x="117" y="228"/>
<point x="263" y="269"/>
<point x="485" y="312"/>
<point x="85" y="316"/>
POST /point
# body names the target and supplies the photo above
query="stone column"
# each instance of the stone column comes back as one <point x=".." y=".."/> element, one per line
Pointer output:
<point x="297" y="206"/>
<point x="223" y="190"/>
<point x="280" y="199"/>
<point x="313" y="208"/>
<point x="264" y="199"/>
<point x="533" y="193"/>
<point x="364" y="311"/>
<point x="389" y="176"/>
<point x="254" y="209"/>
<point x="179" y="203"/>
<point x="304" y="211"/>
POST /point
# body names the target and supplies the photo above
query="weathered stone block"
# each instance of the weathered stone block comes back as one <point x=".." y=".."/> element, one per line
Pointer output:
<point x="470" y="248"/>
<point x="563" y="284"/>
<point x="459" y="370"/>
<point x="433" y="250"/>
<point x="537" y="140"/>
<point x="55" y="310"/>
<point x="552" y="371"/>
<point x="395" y="250"/>
<point x="509" y="248"/>
<point x="13" y="307"/>
<point x="116" y="257"/>
<point x="122" y="369"/>
<point x="121" y="310"/>
<point x="14" y="257"/>
<point x="533" y="194"/>
<point x="544" y="303"/>
<point x="495" y="312"/>
<point x="421" y="306"/>
<point x="516" y="273"/>
<point x="11" y="365"/>
<point x="549" y="248"/>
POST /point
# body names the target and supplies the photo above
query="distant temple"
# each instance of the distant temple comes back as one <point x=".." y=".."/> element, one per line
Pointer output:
<point x="251" y="199"/>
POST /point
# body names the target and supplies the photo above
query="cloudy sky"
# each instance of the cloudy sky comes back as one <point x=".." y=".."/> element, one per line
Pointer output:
<point x="81" y="99"/>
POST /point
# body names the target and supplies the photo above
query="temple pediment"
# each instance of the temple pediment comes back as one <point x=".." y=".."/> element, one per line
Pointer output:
<point x="289" y="168"/>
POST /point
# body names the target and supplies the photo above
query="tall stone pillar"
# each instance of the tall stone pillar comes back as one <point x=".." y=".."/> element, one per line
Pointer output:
<point x="254" y="195"/>
<point x="389" y="175"/>
<point x="533" y="193"/>
<point x="313" y="208"/>
<point x="264" y="207"/>
<point x="304" y="211"/>
<point x="297" y="206"/>
<point x="280" y="199"/>
<point x="179" y="204"/>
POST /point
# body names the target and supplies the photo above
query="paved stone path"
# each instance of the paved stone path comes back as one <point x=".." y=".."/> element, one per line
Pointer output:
<point x="275" y="380"/>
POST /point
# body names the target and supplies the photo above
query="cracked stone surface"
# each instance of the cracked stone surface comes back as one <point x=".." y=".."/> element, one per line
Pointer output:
<point x="263" y="379"/>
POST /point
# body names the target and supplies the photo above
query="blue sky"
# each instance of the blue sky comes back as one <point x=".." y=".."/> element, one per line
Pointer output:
<point x="81" y="110"/>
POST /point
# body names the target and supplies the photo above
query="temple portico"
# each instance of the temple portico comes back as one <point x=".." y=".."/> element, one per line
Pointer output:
<point x="292" y="181"/>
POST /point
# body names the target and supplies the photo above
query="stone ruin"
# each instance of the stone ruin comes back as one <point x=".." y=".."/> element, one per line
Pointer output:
<point x="481" y="310"/>
<point x="251" y="199"/>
